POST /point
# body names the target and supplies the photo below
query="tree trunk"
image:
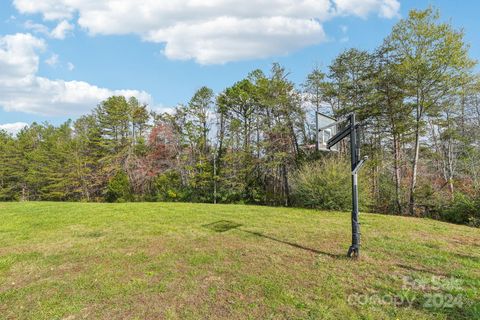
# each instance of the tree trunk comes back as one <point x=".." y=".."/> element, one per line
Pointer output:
<point x="24" y="193"/>
<point x="285" y="185"/>
<point x="214" y="178"/>
<point x="221" y="136"/>
<point x="397" y="169"/>
<point x="450" y="160"/>
<point x="415" y="165"/>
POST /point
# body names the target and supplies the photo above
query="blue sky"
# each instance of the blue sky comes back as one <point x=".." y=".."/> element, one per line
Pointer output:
<point x="58" y="60"/>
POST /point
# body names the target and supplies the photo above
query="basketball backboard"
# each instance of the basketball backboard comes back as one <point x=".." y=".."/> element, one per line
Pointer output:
<point x="326" y="128"/>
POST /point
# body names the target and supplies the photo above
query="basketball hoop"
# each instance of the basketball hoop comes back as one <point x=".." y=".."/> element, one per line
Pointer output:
<point x="329" y="134"/>
<point x="326" y="128"/>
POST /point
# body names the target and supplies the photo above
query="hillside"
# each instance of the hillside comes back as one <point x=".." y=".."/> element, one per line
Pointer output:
<point x="190" y="261"/>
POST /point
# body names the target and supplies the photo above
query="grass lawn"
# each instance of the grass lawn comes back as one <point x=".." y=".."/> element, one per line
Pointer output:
<point x="191" y="261"/>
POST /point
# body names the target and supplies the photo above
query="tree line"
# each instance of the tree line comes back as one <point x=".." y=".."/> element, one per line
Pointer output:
<point x="417" y="96"/>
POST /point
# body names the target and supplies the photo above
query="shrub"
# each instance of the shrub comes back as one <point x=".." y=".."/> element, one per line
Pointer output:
<point x="385" y="201"/>
<point x="118" y="188"/>
<point x="326" y="184"/>
<point x="168" y="187"/>
<point x="463" y="210"/>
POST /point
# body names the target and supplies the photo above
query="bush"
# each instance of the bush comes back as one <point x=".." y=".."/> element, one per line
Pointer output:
<point x="326" y="184"/>
<point x="118" y="188"/>
<point x="168" y="187"/>
<point x="385" y="201"/>
<point x="463" y="210"/>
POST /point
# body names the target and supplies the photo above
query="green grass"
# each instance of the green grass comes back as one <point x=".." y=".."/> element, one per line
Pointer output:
<point x="191" y="261"/>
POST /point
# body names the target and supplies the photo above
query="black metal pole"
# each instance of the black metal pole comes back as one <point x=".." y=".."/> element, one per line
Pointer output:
<point x="354" y="250"/>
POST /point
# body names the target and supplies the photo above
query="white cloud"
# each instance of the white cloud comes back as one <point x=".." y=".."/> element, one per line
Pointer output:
<point x="21" y="89"/>
<point x="13" y="128"/>
<point x="50" y="9"/>
<point x="18" y="57"/>
<point x="62" y="30"/>
<point x="362" y="8"/>
<point x="258" y="39"/>
<point x="53" y="60"/>
<point x="389" y="8"/>
<point x="211" y="31"/>
<point x="36" y="27"/>
<point x="10" y="19"/>
<point x="344" y="30"/>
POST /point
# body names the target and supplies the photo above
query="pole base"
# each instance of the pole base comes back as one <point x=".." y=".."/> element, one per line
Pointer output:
<point x="353" y="252"/>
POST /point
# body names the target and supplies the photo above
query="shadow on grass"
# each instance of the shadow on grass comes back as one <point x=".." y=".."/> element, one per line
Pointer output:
<point x="421" y="270"/>
<point x="222" y="225"/>
<point x="293" y="244"/>
<point x="226" y="225"/>
<point x="92" y="234"/>
<point x="475" y="259"/>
